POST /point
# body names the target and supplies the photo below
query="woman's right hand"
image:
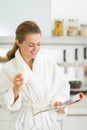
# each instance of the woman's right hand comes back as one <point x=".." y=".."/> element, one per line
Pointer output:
<point x="18" y="82"/>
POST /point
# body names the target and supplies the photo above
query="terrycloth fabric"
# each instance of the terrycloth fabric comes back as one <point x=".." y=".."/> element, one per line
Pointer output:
<point x="43" y="85"/>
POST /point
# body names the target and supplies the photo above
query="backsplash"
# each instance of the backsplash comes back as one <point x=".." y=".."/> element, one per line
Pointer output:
<point x="71" y="59"/>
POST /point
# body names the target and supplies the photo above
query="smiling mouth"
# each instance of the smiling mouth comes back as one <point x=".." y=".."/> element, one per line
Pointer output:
<point x="34" y="53"/>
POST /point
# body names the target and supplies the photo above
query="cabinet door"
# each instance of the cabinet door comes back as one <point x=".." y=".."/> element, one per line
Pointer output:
<point x="4" y="125"/>
<point x="4" y="115"/>
<point x="4" y="119"/>
<point x="74" y="123"/>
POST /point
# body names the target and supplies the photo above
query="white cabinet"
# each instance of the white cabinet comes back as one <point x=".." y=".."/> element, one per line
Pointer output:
<point x="4" y="125"/>
<point x="4" y="119"/>
<point x="74" y="123"/>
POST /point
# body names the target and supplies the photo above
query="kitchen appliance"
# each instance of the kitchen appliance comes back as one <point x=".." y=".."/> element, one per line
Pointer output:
<point x="75" y="84"/>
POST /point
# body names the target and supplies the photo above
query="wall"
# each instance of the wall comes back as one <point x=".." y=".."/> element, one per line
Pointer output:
<point x="42" y="11"/>
<point x="71" y="69"/>
<point x="12" y="12"/>
<point x="70" y="9"/>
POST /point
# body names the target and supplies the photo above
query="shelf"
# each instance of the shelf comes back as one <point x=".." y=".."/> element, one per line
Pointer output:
<point x="7" y="40"/>
<point x="61" y="40"/>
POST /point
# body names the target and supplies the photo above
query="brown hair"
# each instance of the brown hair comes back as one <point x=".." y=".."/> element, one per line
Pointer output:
<point x="27" y="27"/>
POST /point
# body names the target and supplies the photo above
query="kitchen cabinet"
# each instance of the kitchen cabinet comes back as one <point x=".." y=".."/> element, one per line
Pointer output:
<point x="4" y="119"/>
<point x="67" y="123"/>
<point x="4" y="125"/>
<point x="74" y="123"/>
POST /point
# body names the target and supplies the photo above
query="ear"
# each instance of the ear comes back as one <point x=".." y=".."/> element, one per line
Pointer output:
<point x="17" y="43"/>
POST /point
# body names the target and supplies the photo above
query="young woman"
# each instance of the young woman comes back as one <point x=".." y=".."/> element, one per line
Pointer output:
<point x="30" y="81"/>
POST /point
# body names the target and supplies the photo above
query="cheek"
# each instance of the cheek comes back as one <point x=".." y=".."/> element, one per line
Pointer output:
<point x="26" y="49"/>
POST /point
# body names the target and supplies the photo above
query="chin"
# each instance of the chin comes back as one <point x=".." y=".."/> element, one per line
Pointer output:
<point x="33" y="57"/>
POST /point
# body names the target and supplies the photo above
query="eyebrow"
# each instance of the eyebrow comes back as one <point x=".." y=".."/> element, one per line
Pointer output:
<point x="35" y="43"/>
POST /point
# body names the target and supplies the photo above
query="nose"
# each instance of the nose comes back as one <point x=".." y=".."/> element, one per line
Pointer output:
<point x="35" y="48"/>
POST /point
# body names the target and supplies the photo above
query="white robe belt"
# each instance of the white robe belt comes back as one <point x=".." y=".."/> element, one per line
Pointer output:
<point x="36" y="107"/>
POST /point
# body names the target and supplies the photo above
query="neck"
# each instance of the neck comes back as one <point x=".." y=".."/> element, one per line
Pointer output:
<point x="30" y="63"/>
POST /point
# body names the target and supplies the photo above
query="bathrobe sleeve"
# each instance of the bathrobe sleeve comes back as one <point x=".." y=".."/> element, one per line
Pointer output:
<point x="6" y="93"/>
<point x="61" y="85"/>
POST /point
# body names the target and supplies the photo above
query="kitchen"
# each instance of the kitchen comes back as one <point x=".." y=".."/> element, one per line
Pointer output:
<point x="60" y="47"/>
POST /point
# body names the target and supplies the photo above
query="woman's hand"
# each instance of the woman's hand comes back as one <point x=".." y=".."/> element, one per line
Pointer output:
<point x="58" y="104"/>
<point x="18" y="82"/>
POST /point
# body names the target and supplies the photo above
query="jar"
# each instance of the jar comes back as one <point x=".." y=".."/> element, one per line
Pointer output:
<point x="72" y="27"/>
<point x="83" y="30"/>
<point x="58" y="28"/>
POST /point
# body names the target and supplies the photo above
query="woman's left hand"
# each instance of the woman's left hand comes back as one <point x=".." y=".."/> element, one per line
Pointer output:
<point x="58" y="104"/>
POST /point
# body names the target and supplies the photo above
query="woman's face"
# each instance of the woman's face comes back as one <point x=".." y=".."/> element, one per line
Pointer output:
<point x="30" y="46"/>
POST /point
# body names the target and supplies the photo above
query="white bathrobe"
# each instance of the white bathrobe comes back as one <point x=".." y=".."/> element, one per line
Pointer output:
<point x="43" y="86"/>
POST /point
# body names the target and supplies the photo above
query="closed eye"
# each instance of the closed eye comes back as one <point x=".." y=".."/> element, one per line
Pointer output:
<point x="32" y="44"/>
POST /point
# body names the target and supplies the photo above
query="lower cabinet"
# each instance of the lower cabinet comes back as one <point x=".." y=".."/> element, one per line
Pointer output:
<point x="4" y="125"/>
<point x="4" y="119"/>
<point x="74" y="123"/>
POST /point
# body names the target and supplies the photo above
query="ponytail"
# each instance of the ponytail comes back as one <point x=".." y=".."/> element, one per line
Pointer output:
<point x="11" y="53"/>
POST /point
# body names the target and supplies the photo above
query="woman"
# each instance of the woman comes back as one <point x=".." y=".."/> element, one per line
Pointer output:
<point x="29" y="82"/>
